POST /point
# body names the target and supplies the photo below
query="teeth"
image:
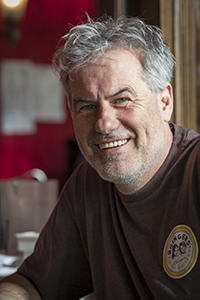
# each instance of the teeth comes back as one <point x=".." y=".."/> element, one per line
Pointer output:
<point x="112" y="144"/>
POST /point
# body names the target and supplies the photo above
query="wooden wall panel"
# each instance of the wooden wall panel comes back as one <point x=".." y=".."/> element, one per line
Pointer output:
<point x="178" y="23"/>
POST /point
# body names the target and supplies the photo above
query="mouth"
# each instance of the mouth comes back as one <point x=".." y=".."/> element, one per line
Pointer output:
<point x="113" y="144"/>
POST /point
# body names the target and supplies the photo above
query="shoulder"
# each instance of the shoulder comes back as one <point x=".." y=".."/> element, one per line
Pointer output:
<point x="84" y="183"/>
<point x="82" y="174"/>
<point x="185" y="139"/>
<point x="85" y="195"/>
<point x="186" y="149"/>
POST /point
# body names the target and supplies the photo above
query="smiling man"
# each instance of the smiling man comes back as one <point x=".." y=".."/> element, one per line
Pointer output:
<point x="123" y="217"/>
<point x="121" y="126"/>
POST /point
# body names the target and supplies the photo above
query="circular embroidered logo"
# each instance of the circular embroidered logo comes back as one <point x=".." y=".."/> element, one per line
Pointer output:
<point x="180" y="252"/>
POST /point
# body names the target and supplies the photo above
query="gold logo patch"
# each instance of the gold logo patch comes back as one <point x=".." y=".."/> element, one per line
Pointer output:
<point x="180" y="252"/>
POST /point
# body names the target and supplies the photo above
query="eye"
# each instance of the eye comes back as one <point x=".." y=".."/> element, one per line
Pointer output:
<point x="87" y="107"/>
<point x="121" y="102"/>
<point x="87" y="110"/>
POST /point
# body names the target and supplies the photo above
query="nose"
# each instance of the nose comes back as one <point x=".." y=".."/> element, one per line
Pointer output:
<point x="106" y="120"/>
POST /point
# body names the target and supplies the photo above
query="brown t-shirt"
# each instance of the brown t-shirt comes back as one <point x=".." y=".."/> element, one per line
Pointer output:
<point x="141" y="246"/>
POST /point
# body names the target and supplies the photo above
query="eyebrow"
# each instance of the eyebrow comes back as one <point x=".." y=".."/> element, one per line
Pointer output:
<point x="77" y="101"/>
<point x="121" y="91"/>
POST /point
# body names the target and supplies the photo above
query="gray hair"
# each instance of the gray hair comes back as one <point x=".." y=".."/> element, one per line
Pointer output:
<point x="84" y="42"/>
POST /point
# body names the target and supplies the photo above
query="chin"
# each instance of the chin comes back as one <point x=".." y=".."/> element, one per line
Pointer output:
<point x="111" y="174"/>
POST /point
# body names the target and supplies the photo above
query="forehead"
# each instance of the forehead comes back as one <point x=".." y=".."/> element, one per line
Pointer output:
<point x="117" y="67"/>
<point x="116" y="59"/>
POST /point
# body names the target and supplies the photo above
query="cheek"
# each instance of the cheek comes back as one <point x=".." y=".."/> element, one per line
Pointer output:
<point x="134" y="118"/>
<point x="79" y="132"/>
<point x="82" y="129"/>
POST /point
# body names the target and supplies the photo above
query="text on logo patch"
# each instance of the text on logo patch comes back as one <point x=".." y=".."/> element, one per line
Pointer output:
<point x="180" y="252"/>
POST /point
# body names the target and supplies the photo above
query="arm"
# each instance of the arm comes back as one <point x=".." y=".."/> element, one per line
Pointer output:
<point x="17" y="287"/>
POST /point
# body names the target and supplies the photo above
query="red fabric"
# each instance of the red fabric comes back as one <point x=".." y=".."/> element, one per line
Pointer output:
<point x="45" y="22"/>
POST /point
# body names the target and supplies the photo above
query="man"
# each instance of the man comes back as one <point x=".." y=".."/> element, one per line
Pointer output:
<point x="123" y="211"/>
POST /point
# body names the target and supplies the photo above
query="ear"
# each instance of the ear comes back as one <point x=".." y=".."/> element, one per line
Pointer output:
<point x="166" y="100"/>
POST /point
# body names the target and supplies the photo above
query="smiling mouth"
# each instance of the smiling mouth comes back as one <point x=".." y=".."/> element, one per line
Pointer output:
<point x="113" y="144"/>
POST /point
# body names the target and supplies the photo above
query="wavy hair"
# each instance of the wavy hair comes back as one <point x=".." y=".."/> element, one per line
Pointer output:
<point x="86" y="41"/>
